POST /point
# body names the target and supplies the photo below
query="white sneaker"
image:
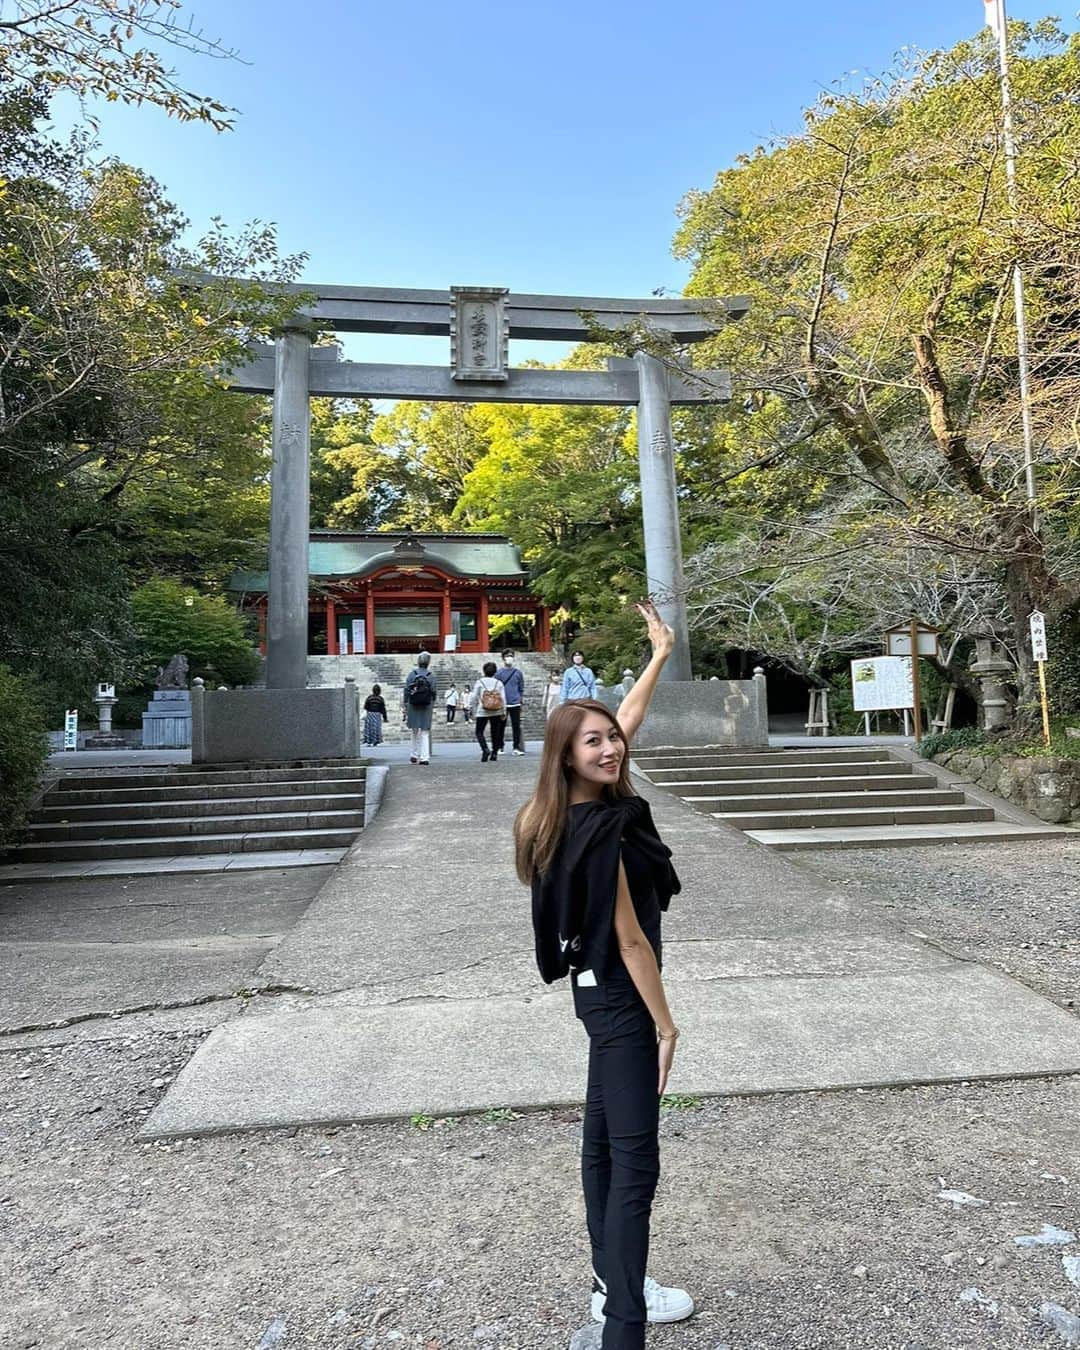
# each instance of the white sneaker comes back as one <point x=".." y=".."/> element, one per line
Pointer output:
<point x="519" y="752"/>
<point x="662" y="1304"/>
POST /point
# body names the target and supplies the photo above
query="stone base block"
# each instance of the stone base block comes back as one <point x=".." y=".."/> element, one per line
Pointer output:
<point x="729" y="713"/>
<point x="232" y="725"/>
<point x="167" y="720"/>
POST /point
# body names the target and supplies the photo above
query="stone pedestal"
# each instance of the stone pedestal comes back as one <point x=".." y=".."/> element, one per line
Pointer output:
<point x="167" y="721"/>
<point x="270" y="725"/>
<point x="729" y="713"/>
<point x="105" y="740"/>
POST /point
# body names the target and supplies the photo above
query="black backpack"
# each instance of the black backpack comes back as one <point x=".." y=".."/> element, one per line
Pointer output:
<point x="421" y="692"/>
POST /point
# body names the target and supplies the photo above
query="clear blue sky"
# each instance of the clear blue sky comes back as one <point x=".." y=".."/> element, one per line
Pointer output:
<point x="542" y="147"/>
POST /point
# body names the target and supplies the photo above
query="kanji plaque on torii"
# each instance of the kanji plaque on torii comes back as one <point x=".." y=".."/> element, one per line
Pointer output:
<point x="479" y="334"/>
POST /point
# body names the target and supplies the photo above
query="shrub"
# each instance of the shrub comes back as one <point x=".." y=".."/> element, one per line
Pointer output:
<point x="24" y="748"/>
<point x="963" y="738"/>
<point x="171" y="618"/>
<point x="1063" y="668"/>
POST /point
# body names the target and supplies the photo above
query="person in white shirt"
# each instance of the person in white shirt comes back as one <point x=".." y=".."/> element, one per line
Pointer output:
<point x="552" y="694"/>
<point x="488" y="702"/>
<point x="451" y="702"/>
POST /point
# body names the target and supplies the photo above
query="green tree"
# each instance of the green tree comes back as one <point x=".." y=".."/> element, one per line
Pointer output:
<point x="562" y="483"/>
<point x="117" y="438"/>
<point x="23" y="748"/>
<point x="407" y="468"/>
<point x="90" y="48"/>
<point x="877" y="366"/>
<point x="171" y="618"/>
<point x="340" y="438"/>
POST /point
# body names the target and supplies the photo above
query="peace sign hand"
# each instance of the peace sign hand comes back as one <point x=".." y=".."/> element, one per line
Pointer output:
<point x="661" y="635"/>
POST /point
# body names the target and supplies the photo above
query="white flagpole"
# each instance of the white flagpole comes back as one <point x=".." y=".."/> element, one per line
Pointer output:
<point x="1000" y="26"/>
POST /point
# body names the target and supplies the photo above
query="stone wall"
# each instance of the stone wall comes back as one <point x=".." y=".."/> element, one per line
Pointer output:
<point x="1047" y="787"/>
<point x="266" y="725"/>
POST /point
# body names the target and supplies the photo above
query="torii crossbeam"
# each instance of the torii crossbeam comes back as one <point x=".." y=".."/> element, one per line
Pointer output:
<point x="479" y="321"/>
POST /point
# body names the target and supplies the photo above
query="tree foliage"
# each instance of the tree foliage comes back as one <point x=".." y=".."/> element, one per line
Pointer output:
<point x="122" y="455"/>
<point x="171" y="618"/>
<point x="23" y="747"/>
<point x="877" y="367"/>
<point x="91" y="48"/>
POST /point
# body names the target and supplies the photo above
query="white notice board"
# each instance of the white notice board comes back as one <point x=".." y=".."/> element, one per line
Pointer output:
<point x="879" y="683"/>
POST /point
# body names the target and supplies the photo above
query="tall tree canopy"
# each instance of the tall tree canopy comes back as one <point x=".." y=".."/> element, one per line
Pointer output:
<point x="878" y="402"/>
<point x="122" y="455"/>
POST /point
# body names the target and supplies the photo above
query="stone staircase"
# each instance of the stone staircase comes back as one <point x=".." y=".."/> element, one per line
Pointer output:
<point x="193" y="818"/>
<point x="449" y="668"/>
<point x="843" y="797"/>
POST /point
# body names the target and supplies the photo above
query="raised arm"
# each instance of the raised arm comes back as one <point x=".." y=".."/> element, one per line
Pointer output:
<point x="632" y="709"/>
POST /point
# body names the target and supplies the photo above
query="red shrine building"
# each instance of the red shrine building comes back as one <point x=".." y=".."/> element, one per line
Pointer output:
<point x="404" y="592"/>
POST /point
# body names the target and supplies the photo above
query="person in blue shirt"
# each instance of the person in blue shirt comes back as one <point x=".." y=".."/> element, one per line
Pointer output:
<point x="578" y="681"/>
<point x="513" y="683"/>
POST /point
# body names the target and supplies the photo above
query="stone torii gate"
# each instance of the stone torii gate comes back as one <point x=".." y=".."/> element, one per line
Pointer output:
<point x="479" y="321"/>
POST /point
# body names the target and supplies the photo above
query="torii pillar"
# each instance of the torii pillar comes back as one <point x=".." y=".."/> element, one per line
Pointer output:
<point x="660" y="510"/>
<point x="290" y="513"/>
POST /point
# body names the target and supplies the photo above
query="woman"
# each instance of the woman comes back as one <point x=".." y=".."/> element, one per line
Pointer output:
<point x="600" y="877"/>
<point x="451" y="701"/>
<point x="374" y="716"/>
<point x="552" y="694"/>
<point x="488" y="700"/>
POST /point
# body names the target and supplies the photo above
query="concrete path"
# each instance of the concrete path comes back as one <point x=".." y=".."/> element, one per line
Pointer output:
<point x="416" y="989"/>
<point x="95" y="948"/>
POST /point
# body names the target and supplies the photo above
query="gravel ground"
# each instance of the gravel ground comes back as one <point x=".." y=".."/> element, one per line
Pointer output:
<point x="807" y="1220"/>
<point x="1015" y="906"/>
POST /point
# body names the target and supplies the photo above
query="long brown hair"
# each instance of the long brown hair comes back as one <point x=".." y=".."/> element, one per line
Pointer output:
<point x="540" y="822"/>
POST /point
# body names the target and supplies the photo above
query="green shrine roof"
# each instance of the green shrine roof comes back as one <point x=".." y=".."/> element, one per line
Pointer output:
<point x="333" y="553"/>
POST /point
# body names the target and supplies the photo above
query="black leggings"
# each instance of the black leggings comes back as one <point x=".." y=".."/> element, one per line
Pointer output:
<point x="620" y="1148"/>
<point x="498" y="726"/>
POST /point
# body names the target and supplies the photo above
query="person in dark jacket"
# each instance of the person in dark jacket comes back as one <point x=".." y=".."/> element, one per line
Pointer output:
<point x="601" y="878"/>
<point x="418" y="701"/>
<point x="374" y="716"/>
<point x="513" y="683"/>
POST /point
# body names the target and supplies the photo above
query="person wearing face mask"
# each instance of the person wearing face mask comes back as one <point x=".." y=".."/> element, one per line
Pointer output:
<point x="578" y="681"/>
<point x="513" y="683"/>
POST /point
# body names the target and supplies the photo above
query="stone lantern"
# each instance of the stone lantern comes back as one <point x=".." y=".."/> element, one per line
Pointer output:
<point x="993" y="671"/>
<point x="105" y="738"/>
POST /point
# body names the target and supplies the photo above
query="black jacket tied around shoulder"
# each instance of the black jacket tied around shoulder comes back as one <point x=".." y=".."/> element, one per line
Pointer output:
<point x="573" y="902"/>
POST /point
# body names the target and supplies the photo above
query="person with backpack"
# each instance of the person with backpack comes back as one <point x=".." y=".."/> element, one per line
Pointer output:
<point x="488" y="699"/>
<point x="418" y="702"/>
<point x="578" y="681"/>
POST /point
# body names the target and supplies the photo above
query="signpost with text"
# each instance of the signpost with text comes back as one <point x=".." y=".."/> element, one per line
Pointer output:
<point x="1037" y="624"/>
